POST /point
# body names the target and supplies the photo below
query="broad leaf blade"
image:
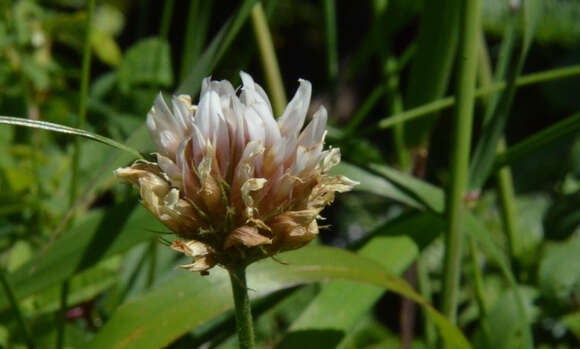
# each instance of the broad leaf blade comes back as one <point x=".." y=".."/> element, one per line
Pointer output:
<point x="190" y="300"/>
<point x="374" y="184"/>
<point x="395" y="246"/>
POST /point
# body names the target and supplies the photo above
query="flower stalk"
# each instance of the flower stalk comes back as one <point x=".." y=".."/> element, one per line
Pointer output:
<point x="244" y="324"/>
<point x="463" y="121"/>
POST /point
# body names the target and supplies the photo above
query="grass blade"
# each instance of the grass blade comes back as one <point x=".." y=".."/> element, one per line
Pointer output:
<point x="432" y="62"/>
<point x="269" y="60"/>
<point x="493" y="130"/>
<point x="331" y="42"/>
<point x="557" y="132"/>
<point x="222" y="40"/>
<point x="395" y="245"/>
<point x="49" y="126"/>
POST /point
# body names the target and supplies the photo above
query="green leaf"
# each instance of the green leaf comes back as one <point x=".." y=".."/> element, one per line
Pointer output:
<point x="49" y="126"/>
<point x="374" y="184"/>
<point x="503" y="320"/>
<point x="563" y="218"/>
<point x="555" y="133"/>
<point x="432" y="63"/>
<point x="105" y="48"/>
<point x="473" y="226"/>
<point x="485" y="151"/>
<point x="99" y="236"/>
<point x="190" y="300"/>
<point x="395" y="246"/>
<point x="146" y="62"/>
<point x="431" y="196"/>
<point x="559" y="272"/>
<point x="572" y="321"/>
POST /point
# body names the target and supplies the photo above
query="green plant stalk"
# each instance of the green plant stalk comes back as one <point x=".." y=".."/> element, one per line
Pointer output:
<point x="395" y="103"/>
<point x="448" y="102"/>
<point x="195" y="35"/>
<point x="463" y="121"/>
<point x="166" y="18"/>
<point x="80" y="124"/>
<point x="9" y="292"/>
<point x="504" y="175"/>
<point x="268" y="58"/>
<point x="244" y="325"/>
<point x="331" y="42"/>
<point x="432" y="65"/>
<point x="190" y="38"/>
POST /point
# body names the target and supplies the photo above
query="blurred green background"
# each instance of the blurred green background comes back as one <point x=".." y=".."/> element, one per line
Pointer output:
<point x="369" y="61"/>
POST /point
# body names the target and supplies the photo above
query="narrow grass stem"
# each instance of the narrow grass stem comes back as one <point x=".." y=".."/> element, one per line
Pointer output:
<point x="463" y="121"/>
<point x="503" y="176"/>
<point x="268" y="58"/>
<point x="331" y="43"/>
<point x="83" y="97"/>
<point x="166" y="18"/>
<point x="448" y="102"/>
<point x="244" y="325"/>
<point x="9" y="292"/>
<point x="80" y="124"/>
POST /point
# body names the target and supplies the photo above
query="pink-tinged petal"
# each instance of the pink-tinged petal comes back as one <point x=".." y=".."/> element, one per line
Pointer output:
<point x="199" y="145"/>
<point x="313" y="134"/>
<point x="292" y="119"/>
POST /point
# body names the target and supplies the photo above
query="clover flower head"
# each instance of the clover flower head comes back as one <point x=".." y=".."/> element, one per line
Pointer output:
<point x="233" y="182"/>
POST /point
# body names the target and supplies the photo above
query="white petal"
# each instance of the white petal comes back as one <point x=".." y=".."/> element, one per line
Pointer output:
<point x="292" y="119"/>
<point x="313" y="134"/>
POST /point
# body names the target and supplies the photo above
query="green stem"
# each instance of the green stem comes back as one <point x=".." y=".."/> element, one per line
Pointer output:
<point x="504" y="175"/>
<point x="331" y="46"/>
<point x="195" y="35"/>
<point x="16" y="307"/>
<point x="268" y="58"/>
<point x="80" y="124"/>
<point x="83" y="96"/>
<point x="448" y="102"/>
<point x="243" y="310"/>
<point x="166" y="18"/>
<point x="395" y="103"/>
<point x="463" y="121"/>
